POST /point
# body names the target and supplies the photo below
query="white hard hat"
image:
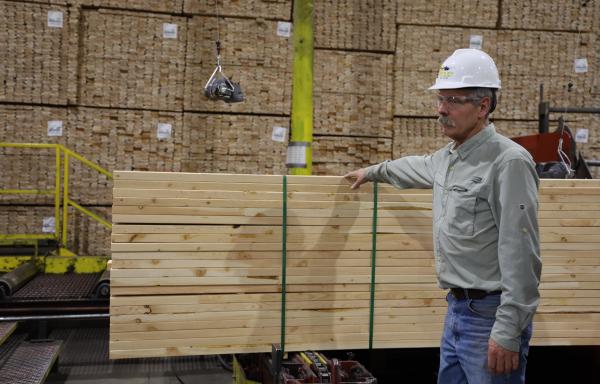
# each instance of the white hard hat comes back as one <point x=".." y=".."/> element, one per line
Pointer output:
<point x="467" y="68"/>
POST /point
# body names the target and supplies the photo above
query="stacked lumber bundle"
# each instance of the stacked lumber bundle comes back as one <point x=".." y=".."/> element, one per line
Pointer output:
<point x="28" y="168"/>
<point x="217" y="239"/>
<point x="525" y="59"/>
<point x="111" y="138"/>
<point x="132" y="60"/>
<point x="85" y="236"/>
<point x="419" y="53"/>
<point x="37" y="61"/>
<point x="448" y="12"/>
<point x="271" y="9"/>
<point x="566" y="15"/>
<point x="169" y="6"/>
<point x="338" y="155"/>
<point x="197" y="265"/>
<point x="253" y="54"/>
<point x="528" y="58"/>
<point x="233" y="144"/>
<point x="357" y="24"/>
<point x="420" y="136"/>
<point x="122" y="139"/>
<point x="353" y="93"/>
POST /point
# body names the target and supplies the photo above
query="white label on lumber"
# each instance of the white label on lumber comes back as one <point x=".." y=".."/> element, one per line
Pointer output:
<point x="169" y="31"/>
<point x="163" y="131"/>
<point x="55" y="19"/>
<point x="296" y="156"/>
<point x="48" y="225"/>
<point x="284" y="29"/>
<point x="581" y="65"/>
<point x="279" y="134"/>
<point x="55" y="128"/>
<point x="476" y="41"/>
<point x="581" y="135"/>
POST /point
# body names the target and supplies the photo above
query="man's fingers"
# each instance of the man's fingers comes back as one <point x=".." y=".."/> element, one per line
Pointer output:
<point x="491" y="359"/>
<point x="515" y="361"/>
<point x="500" y="366"/>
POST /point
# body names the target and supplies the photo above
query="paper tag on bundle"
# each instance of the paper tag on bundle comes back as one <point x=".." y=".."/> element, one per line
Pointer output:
<point x="55" y="128"/>
<point x="169" y="31"/>
<point x="476" y="41"/>
<point x="296" y="155"/>
<point x="48" y="225"/>
<point x="581" y="135"/>
<point x="279" y="134"/>
<point x="581" y="65"/>
<point x="284" y="29"/>
<point x="163" y="131"/>
<point x="55" y="19"/>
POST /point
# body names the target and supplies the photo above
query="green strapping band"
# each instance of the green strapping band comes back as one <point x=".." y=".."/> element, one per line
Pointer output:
<point x="283" y="260"/>
<point x="373" y="259"/>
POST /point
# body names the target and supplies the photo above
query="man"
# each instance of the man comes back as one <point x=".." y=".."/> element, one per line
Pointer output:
<point x="485" y="230"/>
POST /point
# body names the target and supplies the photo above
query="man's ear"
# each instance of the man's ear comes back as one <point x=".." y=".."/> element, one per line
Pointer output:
<point x="484" y="107"/>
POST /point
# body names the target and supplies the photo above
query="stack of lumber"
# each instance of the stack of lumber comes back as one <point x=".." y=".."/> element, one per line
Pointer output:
<point x="448" y="12"/>
<point x="128" y="62"/>
<point x="252" y="54"/>
<point x="568" y="15"/>
<point x="524" y="58"/>
<point x="338" y="155"/>
<point x="357" y="24"/>
<point x="85" y="236"/>
<point x="272" y="9"/>
<point x="37" y="61"/>
<point x="233" y="144"/>
<point x="197" y="265"/>
<point x="28" y="168"/>
<point x="420" y="136"/>
<point x="121" y="139"/>
<point x="111" y="138"/>
<point x="168" y="6"/>
<point x="419" y="53"/>
<point x="528" y="58"/>
<point x="353" y="93"/>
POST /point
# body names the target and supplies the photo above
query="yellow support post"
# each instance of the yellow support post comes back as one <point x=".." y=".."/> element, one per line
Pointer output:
<point x="63" y="237"/>
<point x="300" y="146"/>
<point x="57" y="194"/>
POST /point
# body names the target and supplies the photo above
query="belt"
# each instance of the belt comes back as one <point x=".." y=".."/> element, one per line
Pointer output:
<point x="461" y="293"/>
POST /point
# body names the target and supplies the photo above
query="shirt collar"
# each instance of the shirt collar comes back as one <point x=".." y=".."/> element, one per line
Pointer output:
<point x="468" y="146"/>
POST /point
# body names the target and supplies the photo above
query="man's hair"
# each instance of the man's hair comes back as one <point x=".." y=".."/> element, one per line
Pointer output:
<point x="480" y="93"/>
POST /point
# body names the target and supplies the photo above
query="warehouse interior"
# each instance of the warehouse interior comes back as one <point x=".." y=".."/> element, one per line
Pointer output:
<point x="102" y="100"/>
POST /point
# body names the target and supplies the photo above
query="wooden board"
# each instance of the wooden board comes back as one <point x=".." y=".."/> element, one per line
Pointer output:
<point x="197" y="265"/>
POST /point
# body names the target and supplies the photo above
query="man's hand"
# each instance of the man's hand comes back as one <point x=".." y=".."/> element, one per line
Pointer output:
<point x="358" y="177"/>
<point x="501" y="360"/>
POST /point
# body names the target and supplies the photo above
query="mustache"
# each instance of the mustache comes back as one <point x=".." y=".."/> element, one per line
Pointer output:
<point x="445" y="120"/>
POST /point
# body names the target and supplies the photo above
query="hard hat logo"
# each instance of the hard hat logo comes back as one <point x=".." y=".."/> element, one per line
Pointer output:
<point x="445" y="72"/>
<point x="467" y="68"/>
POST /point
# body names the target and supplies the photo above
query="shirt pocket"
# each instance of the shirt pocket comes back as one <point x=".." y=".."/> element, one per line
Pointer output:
<point x="461" y="208"/>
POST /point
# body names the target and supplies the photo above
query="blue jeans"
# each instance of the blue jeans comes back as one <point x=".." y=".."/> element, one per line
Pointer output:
<point x="464" y="346"/>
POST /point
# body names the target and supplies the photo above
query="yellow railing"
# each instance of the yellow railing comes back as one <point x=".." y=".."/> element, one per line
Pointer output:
<point x="62" y="156"/>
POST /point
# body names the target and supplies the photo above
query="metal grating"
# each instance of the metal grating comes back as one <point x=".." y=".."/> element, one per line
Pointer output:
<point x="58" y="287"/>
<point x="6" y="329"/>
<point x="85" y="354"/>
<point x="7" y="348"/>
<point x="30" y="363"/>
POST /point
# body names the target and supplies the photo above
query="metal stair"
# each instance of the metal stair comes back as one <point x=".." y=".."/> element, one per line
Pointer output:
<point x="31" y="362"/>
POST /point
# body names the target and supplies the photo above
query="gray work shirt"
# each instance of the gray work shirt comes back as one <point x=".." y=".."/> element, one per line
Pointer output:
<point x="485" y="228"/>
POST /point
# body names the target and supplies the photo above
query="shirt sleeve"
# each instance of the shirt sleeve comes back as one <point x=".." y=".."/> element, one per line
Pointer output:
<point x="515" y="212"/>
<point x="406" y="172"/>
